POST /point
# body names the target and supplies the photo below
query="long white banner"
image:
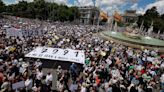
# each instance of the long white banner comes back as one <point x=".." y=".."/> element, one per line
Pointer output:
<point x="14" y="32"/>
<point x="76" y="56"/>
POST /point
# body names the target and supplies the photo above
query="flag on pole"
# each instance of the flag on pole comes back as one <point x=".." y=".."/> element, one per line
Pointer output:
<point x="117" y="17"/>
<point x="103" y="16"/>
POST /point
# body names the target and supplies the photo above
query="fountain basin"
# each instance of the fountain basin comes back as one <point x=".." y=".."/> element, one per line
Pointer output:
<point x="136" y="42"/>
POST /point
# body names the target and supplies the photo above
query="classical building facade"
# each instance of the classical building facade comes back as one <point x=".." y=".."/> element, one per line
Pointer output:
<point x="89" y="15"/>
<point x="130" y="16"/>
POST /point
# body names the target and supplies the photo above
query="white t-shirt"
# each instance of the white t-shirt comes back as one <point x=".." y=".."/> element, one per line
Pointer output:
<point x="130" y="53"/>
<point x="39" y="75"/>
<point x="162" y="65"/>
<point x="162" y="78"/>
<point x="139" y="67"/>
<point x="115" y="73"/>
<point x="28" y="83"/>
<point x="83" y="89"/>
<point x="113" y="81"/>
<point x="73" y="87"/>
<point x="153" y="73"/>
<point x="49" y="79"/>
<point x="38" y="64"/>
<point x="109" y="61"/>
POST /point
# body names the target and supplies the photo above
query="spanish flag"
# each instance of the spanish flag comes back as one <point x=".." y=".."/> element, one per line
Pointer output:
<point x="117" y="17"/>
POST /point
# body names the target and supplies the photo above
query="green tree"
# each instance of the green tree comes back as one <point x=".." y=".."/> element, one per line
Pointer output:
<point x="30" y="12"/>
<point x="74" y="13"/>
<point x="152" y="15"/>
<point x="40" y="10"/>
<point x="43" y="10"/>
<point x="162" y="16"/>
<point x="21" y="8"/>
<point x="2" y="6"/>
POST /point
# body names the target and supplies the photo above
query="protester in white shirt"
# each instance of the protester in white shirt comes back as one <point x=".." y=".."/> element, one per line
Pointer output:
<point x="49" y="79"/>
<point x="39" y="74"/>
<point x="29" y="84"/>
<point x="83" y="88"/>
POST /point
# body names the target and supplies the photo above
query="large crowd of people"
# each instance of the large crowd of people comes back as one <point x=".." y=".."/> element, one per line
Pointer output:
<point x="109" y="66"/>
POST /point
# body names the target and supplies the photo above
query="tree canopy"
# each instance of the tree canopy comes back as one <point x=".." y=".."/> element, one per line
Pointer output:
<point x="2" y="6"/>
<point x="152" y="15"/>
<point x="43" y="10"/>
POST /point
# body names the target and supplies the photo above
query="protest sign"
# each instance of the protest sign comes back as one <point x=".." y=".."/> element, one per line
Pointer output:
<point x="76" y="56"/>
<point x="18" y="85"/>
